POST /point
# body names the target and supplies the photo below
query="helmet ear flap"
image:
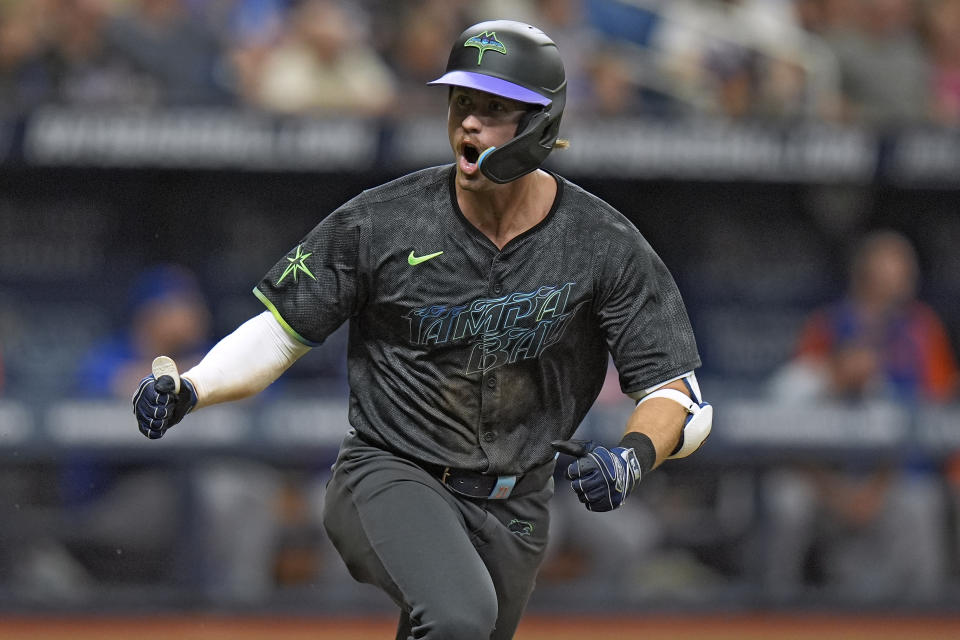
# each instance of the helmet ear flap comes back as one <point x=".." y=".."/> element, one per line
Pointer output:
<point x="526" y="118"/>
<point x="550" y="133"/>
<point x="525" y="152"/>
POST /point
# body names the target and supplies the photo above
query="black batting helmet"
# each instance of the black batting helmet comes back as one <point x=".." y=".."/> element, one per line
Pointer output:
<point x="518" y="61"/>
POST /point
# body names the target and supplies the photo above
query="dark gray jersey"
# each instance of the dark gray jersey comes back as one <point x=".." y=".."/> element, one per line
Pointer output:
<point x="464" y="355"/>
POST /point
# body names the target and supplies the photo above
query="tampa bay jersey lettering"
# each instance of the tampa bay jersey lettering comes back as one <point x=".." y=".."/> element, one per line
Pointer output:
<point x="503" y="330"/>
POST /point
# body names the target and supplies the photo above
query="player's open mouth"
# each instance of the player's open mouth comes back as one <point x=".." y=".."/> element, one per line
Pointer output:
<point x="469" y="155"/>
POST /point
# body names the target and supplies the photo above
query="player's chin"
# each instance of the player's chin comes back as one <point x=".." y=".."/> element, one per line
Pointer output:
<point x="472" y="181"/>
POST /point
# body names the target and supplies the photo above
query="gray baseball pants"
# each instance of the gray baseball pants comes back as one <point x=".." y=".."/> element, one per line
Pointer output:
<point x="459" y="568"/>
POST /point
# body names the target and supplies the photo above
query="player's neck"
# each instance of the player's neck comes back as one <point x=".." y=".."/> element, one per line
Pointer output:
<point x="505" y="211"/>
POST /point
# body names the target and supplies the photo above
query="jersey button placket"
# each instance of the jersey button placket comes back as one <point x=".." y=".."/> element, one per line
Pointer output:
<point x="488" y="382"/>
<point x="496" y="287"/>
<point x="489" y="389"/>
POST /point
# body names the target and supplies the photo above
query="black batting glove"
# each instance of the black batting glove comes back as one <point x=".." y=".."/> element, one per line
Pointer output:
<point x="603" y="478"/>
<point x="158" y="408"/>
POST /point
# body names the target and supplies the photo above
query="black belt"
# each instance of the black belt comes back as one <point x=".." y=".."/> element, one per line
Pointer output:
<point x="489" y="487"/>
<point x="481" y="485"/>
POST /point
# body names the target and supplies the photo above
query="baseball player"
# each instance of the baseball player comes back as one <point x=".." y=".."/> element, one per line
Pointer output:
<point x="483" y="298"/>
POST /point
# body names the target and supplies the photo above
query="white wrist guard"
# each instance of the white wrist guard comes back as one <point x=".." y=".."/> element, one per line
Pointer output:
<point x="697" y="426"/>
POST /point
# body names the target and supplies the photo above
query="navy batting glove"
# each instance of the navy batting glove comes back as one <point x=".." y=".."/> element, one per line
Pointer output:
<point x="602" y="478"/>
<point x="158" y="408"/>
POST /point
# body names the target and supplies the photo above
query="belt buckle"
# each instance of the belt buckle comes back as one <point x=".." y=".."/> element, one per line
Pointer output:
<point x="503" y="488"/>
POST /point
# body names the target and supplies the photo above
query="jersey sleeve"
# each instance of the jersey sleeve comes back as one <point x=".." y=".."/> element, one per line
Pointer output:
<point x="643" y="316"/>
<point x="319" y="284"/>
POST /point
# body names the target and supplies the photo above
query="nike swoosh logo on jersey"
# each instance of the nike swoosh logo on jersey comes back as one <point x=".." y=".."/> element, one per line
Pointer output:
<point x="415" y="260"/>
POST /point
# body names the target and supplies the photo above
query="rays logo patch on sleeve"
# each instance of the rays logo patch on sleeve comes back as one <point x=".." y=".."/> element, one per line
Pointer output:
<point x="298" y="264"/>
<point x="486" y="41"/>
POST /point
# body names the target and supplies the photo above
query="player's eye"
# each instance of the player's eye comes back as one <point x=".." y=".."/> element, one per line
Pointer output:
<point x="462" y="100"/>
<point x="496" y="106"/>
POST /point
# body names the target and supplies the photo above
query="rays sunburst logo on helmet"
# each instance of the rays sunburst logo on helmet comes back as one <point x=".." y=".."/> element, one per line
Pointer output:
<point x="486" y="41"/>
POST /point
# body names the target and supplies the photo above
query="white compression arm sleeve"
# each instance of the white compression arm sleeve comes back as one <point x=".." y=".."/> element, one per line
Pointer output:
<point x="245" y="362"/>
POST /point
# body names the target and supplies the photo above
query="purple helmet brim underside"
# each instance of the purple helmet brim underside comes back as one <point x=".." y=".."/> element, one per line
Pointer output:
<point x="496" y="86"/>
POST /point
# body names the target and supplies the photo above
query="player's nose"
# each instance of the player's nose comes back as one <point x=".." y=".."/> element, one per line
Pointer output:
<point x="471" y="122"/>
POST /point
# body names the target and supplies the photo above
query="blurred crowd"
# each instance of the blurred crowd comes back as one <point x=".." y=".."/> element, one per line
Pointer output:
<point x="879" y="530"/>
<point x="854" y="528"/>
<point x="875" y="61"/>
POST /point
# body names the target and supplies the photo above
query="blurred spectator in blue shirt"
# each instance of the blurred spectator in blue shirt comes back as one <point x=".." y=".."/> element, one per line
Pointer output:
<point x="167" y="315"/>
<point x="235" y="499"/>
<point x="101" y="506"/>
<point x="246" y="31"/>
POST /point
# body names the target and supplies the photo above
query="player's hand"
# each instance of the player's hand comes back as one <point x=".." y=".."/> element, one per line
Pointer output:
<point x="601" y="477"/>
<point x="158" y="408"/>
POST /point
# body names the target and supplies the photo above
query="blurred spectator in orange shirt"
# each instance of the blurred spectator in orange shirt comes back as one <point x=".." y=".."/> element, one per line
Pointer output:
<point x="881" y="341"/>
<point x="875" y="529"/>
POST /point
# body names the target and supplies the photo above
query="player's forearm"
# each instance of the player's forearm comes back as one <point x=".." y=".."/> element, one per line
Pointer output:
<point x="661" y="420"/>
<point x="245" y="362"/>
